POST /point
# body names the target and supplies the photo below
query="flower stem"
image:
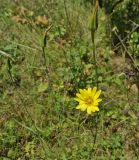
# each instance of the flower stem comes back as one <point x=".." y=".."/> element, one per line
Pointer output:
<point x="91" y="155"/>
<point x="94" y="26"/>
<point x="95" y="61"/>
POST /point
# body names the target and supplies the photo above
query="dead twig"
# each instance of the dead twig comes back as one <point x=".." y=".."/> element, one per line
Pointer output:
<point x="124" y="39"/>
<point x="129" y="55"/>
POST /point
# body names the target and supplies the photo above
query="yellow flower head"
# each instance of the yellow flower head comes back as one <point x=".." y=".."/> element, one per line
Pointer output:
<point x="88" y="100"/>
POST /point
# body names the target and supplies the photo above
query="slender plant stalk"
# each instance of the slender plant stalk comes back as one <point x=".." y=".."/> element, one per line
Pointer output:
<point x="44" y="45"/>
<point x="67" y="15"/>
<point x="95" y="137"/>
<point x="10" y="70"/>
<point x="94" y="26"/>
<point x="95" y="61"/>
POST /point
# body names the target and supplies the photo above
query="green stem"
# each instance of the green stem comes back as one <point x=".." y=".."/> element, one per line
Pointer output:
<point x="95" y="61"/>
<point x="95" y="138"/>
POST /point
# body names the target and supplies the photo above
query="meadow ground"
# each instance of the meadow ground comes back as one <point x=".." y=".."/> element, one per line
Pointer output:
<point x="45" y="58"/>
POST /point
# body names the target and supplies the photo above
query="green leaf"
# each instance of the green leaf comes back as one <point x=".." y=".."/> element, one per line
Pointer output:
<point x="42" y="87"/>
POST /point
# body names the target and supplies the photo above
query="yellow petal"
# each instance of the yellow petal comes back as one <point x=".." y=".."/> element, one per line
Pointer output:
<point x="94" y="91"/>
<point x="82" y="107"/>
<point x="79" y="100"/>
<point x="81" y="91"/>
<point x="97" y="94"/>
<point x="89" y="110"/>
<point x="80" y="96"/>
<point x="95" y="109"/>
<point x="78" y="107"/>
<point x="89" y="90"/>
<point x="95" y="103"/>
<point x="98" y="100"/>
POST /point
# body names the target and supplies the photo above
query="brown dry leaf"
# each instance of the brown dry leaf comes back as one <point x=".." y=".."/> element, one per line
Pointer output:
<point x="134" y="88"/>
<point x="18" y="19"/>
<point x="20" y="10"/>
<point x="120" y="64"/>
<point x="41" y="20"/>
<point x="23" y="12"/>
<point x="137" y="135"/>
<point x="87" y="69"/>
<point x="61" y="42"/>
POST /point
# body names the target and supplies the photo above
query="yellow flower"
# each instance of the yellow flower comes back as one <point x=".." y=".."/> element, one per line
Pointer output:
<point x="88" y="100"/>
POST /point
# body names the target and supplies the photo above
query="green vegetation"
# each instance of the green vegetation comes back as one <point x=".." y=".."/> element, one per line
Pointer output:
<point x="46" y="56"/>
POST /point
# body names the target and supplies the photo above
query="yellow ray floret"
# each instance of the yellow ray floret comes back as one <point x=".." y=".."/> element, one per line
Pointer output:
<point x="88" y="99"/>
